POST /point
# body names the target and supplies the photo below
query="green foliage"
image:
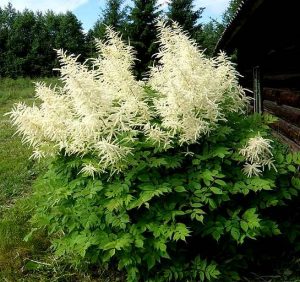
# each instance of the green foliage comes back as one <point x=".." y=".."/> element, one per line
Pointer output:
<point x="28" y="40"/>
<point x="209" y="36"/>
<point x="113" y="15"/>
<point x="171" y="216"/>
<point x="213" y="30"/>
<point x="142" y="32"/>
<point x="183" y="12"/>
<point x="230" y="11"/>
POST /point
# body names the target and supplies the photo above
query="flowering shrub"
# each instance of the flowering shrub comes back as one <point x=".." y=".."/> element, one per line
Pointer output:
<point x="148" y="175"/>
<point x="104" y="110"/>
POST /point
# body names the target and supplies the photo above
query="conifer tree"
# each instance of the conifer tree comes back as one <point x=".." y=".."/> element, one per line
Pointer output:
<point x="230" y="11"/>
<point x="113" y="15"/>
<point x="185" y="14"/>
<point x="142" y="32"/>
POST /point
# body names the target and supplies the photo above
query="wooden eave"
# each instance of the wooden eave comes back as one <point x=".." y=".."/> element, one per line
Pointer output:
<point x="231" y="33"/>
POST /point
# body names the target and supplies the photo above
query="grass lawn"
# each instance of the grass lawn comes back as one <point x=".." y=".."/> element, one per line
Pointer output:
<point x="16" y="175"/>
<point x="16" y="170"/>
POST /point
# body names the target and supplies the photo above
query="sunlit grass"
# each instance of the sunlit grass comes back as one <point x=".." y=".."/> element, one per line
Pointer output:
<point x="17" y="173"/>
<point x="16" y="170"/>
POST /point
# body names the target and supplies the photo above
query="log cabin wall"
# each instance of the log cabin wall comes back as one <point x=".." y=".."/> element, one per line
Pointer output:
<point x="266" y="34"/>
<point x="285" y="105"/>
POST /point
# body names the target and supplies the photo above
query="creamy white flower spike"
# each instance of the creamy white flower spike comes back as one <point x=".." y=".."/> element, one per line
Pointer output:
<point x="257" y="153"/>
<point x="102" y="109"/>
<point x="94" y="111"/>
<point x="89" y="169"/>
<point x="196" y="92"/>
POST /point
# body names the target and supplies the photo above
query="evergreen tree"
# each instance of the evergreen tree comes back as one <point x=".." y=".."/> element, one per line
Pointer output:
<point x="28" y="40"/>
<point x="41" y="49"/>
<point x="210" y="35"/>
<point x="212" y="31"/>
<point x="7" y="18"/>
<point x="183" y="12"/>
<point x="142" y="32"/>
<point x="20" y="43"/>
<point x="113" y="15"/>
<point x="230" y="11"/>
<point x="70" y="34"/>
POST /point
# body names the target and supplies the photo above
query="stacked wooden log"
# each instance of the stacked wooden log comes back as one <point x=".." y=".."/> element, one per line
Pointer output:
<point x="285" y="105"/>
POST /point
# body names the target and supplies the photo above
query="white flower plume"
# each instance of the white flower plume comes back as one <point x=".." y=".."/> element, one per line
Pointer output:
<point x="196" y="92"/>
<point x="102" y="109"/>
<point x="257" y="153"/>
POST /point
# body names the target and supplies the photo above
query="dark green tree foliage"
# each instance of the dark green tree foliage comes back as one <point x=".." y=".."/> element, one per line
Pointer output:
<point x="142" y="32"/>
<point x="212" y="31"/>
<point x="19" y="44"/>
<point x="113" y="15"/>
<point x="183" y="12"/>
<point x="230" y="11"/>
<point x="40" y="51"/>
<point x="209" y="36"/>
<point x="28" y="40"/>
<point x="7" y="17"/>
<point x="70" y="33"/>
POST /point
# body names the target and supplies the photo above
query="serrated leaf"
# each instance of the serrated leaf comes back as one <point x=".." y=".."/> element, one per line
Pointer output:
<point x="195" y="161"/>
<point x="296" y="182"/>
<point x="235" y="233"/>
<point x="220" y="182"/>
<point x="291" y="168"/>
<point x="296" y="159"/>
<point x="249" y="214"/>
<point x="199" y="218"/>
<point x="180" y="189"/>
<point x="181" y="232"/>
<point x="216" y="190"/>
<point x="139" y="243"/>
<point x="201" y="276"/>
<point x="244" y="225"/>
<point x="217" y="233"/>
<point x="160" y="245"/>
<point x="220" y="152"/>
<point x="196" y="205"/>
<point x="108" y="255"/>
<point x="212" y="204"/>
<point x="289" y="158"/>
<point x="150" y="259"/>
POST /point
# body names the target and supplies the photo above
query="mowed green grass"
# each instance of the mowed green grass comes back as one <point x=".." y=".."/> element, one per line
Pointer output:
<point x="16" y="170"/>
<point x="17" y="173"/>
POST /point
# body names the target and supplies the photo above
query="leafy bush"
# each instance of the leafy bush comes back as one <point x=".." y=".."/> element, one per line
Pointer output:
<point x="149" y="175"/>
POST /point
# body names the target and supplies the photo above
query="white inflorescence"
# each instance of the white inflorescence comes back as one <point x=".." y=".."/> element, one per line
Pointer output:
<point x="102" y="109"/>
<point x="258" y="154"/>
<point x="196" y="92"/>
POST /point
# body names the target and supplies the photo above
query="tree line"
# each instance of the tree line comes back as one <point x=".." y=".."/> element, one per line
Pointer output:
<point x="28" y="40"/>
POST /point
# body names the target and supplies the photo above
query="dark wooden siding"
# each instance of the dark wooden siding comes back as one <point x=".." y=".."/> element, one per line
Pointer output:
<point x="266" y="33"/>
